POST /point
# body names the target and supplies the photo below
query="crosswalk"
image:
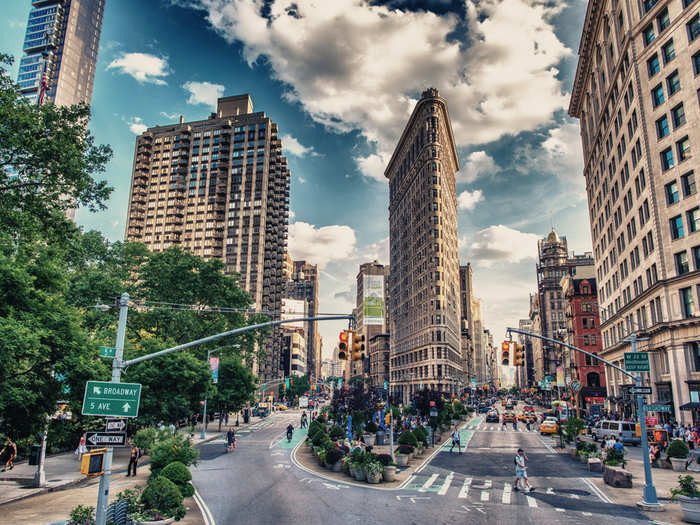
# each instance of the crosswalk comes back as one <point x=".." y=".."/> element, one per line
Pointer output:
<point x="497" y="427"/>
<point x="469" y="490"/>
<point x="256" y="426"/>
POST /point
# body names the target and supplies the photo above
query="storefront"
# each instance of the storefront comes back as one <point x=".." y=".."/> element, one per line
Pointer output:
<point x="664" y="395"/>
<point x="694" y="405"/>
<point x="592" y="398"/>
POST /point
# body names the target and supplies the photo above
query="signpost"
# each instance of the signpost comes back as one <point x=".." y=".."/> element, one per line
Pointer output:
<point x="637" y="361"/>
<point x="106" y="439"/>
<point x="108" y="351"/>
<point x="103" y="398"/>
<point x="640" y="390"/>
<point x="657" y="408"/>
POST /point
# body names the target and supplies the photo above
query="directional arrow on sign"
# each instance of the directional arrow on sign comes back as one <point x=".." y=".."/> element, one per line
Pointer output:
<point x="115" y="425"/>
<point x="126" y="407"/>
<point x="96" y="390"/>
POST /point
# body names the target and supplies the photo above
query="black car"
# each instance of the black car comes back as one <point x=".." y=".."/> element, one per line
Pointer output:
<point x="492" y="417"/>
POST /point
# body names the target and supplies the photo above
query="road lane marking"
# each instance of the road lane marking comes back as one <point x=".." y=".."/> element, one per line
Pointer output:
<point x="464" y="491"/>
<point x="488" y="484"/>
<point x="446" y="485"/>
<point x="550" y="491"/>
<point x="484" y="495"/>
<point x="428" y="483"/>
<point x="559" y="510"/>
<point x="575" y="496"/>
<point x="532" y="502"/>
<point x="506" y="493"/>
<point x="206" y="513"/>
<point x="587" y="513"/>
<point x="601" y="495"/>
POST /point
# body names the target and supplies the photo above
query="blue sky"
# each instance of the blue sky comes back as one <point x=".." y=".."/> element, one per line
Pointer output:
<point x="340" y="78"/>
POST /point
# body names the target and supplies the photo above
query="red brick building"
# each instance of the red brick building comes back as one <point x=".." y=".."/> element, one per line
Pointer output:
<point x="584" y="332"/>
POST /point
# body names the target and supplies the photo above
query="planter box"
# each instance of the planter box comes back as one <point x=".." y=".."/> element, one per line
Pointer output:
<point x="595" y="465"/>
<point x="690" y="507"/>
<point x="389" y="473"/>
<point x="380" y="438"/>
<point x="156" y="522"/>
<point x="360" y="474"/>
<point x="374" y="479"/>
<point x="617" y="477"/>
<point x="369" y="439"/>
<point x="678" y="464"/>
<point x="572" y="452"/>
<point x="337" y="466"/>
<point x="583" y="459"/>
<point x="402" y="460"/>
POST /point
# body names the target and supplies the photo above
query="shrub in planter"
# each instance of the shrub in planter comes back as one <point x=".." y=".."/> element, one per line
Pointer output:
<point x="614" y="457"/>
<point x="384" y="459"/>
<point x="175" y="447"/>
<point x="180" y="475"/>
<point x="371" y="427"/>
<point x="337" y="432"/>
<point x="678" y="449"/>
<point x="319" y="438"/>
<point x="322" y="456"/>
<point x="163" y="498"/>
<point x="145" y="438"/>
<point x="408" y="438"/>
<point x="334" y="455"/>
<point x="81" y="515"/>
<point x="373" y="471"/>
<point x="421" y="435"/>
<point x="458" y="408"/>
<point x="132" y="496"/>
<point x="405" y="449"/>
<point x="689" y="495"/>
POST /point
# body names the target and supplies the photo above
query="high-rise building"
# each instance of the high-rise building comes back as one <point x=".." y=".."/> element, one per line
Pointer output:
<point x="537" y="346"/>
<point x="293" y="353"/>
<point x="424" y="279"/>
<point x="525" y="375"/>
<point x="480" y="361"/>
<point x="219" y="188"/>
<point x="466" y="298"/>
<point x="379" y="355"/>
<point x="60" y="46"/>
<point x="554" y="263"/>
<point x="303" y="285"/>
<point x="635" y="95"/>
<point x="371" y="310"/>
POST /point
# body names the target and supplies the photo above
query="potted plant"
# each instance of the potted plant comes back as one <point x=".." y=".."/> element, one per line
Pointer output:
<point x="358" y="473"/>
<point x="408" y="438"/>
<point x="334" y="459"/>
<point x="373" y="471"/>
<point x="82" y="515"/>
<point x="345" y="465"/>
<point x="389" y="473"/>
<point x="688" y="494"/>
<point x="369" y="435"/>
<point x="677" y="453"/>
<point x="160" y="504"/>
<point x="322" y="456"/>
<point x="403" y="454"/>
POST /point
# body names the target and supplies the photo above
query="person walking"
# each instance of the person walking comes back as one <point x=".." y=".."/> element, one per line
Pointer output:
<point x="521" y="472"/>
<point x="527" y="423"/>
<point x="455" y="440"/>
<point x="230" y="440"/>
<point x="9" y="451"/>
<point x="82" y="448"/>
<point x="515" y="423"/>
<point x="503" y="423"/>
<point x="133" y="460"/>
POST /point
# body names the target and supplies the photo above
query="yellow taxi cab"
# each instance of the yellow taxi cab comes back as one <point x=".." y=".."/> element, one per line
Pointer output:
<point x="508" y="416"/>
<point x="549" y="426"/>
<point x="527" y="416"/>
<point x="281" y="406"/>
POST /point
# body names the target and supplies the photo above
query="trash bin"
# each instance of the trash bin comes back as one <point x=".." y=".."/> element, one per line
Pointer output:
<point x="380" y="438"/>
<point x="34" y="454"/>
<point x="246" y="416"/>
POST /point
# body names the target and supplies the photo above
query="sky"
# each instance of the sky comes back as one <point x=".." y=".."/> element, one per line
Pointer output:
<point x="341" y="77"/>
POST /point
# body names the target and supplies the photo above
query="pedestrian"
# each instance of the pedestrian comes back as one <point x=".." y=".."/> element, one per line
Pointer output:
<point x="230" y="440"/>
<point x="515" y="423"/>
<point x="455" y="440"/>
<point x="521" y="471"/>
<point x="9" y="451"/>
<point x="527" y="423"/>
<point x="82" y="448"/>
<point x="503" y="423"/>
<point x="133" y="460"/>
<point x="226" y="418"/>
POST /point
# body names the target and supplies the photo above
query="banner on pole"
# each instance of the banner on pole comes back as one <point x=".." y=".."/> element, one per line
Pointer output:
<point x="214" y="365"/>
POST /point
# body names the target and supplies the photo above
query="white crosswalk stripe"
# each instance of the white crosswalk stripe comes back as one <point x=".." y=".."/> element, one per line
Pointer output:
<point x="506" y="493"/>
<point x="532" y="502"/>
<point x="428" y="483"/>
<point x="446" y="485"/>
<point x="464" y="491"/>
<point x="484" y="495"/>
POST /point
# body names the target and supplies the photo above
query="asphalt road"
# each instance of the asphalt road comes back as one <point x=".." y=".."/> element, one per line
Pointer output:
<point x="258" y="484"/>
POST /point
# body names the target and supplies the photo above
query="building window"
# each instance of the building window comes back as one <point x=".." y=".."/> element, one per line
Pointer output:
<point x="683" y="149"/>
<point x="663" y="20"/>
<point x="657" y="95"/>
<point x="688" y="182"/>
<point x="696" y="256"/>
<point x="682" y="265"/>
<point x="694" y="349"/>
<point x="672" y="192"/>
<point x="677" y="227"/>
<point x="693" y="28"/>
<point x="649" y="35"/>
<point x="653" y="66"/>
<point x="686" y="297"/>
<point x="696" y="62"/>
<point x="673" y="83"/>
<point x="669" y="51"/>
<point x="662" y="127"/>
<point x="649" y="5"/>
<point x="694" y="220"/>
<point x="678" y="114"/>
<point x="667" y="159"/>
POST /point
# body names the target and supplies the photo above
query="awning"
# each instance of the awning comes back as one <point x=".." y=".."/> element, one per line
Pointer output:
<point x="690" y="406"/>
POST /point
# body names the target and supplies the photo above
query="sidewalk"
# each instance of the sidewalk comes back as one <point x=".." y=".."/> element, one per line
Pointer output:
<point x="63" y="470"/>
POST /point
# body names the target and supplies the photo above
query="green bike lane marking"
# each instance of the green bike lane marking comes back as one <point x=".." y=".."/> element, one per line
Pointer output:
<point x="465" y="434"/>
<point x="299" y="435"/>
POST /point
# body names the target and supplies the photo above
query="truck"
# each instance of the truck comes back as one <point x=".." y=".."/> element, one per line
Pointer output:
<point x="303" y="402"/>
<point x="263" y="410"/>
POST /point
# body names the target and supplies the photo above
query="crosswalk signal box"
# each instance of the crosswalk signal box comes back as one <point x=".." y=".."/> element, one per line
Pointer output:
<point x="93" y="462"/>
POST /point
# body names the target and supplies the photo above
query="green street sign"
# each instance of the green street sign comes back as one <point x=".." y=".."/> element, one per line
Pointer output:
<point x="657" y="408"/>
<point x="111" y="399"/>
<point x="108" y="351"/>
<point x="637" y="361"/>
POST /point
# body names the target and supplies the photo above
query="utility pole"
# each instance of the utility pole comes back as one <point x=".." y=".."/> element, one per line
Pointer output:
<point x="103" y="495"/>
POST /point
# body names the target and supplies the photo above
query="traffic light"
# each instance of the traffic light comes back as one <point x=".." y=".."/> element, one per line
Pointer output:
<point x="91" y="463"/>
<point x="505" y="353"/>
<point x="343" y="345"/>
<point x="357" y="346"/>
<point x="518" y="355"/>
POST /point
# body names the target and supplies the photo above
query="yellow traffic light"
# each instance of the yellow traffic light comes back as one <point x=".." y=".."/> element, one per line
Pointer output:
<point x="92" y="462"/>
<point x="357" y="346"/>
<point x="505" y="353"/>
<point x="343" y="345"/>
<point x="518" y="355"/>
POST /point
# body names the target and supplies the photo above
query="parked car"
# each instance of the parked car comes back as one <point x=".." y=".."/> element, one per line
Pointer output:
<point x="624" y="430"/>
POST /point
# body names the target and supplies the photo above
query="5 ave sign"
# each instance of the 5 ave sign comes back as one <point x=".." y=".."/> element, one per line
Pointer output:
<point x="111" y="399"/>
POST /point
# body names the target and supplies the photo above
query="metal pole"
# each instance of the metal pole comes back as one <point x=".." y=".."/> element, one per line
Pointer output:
<point x="204" y="418"/>
<point x="650" y="500"/>
<point x="103" y="495"/>
<point x="391" y="426"/>
<point x="40" y="476"/>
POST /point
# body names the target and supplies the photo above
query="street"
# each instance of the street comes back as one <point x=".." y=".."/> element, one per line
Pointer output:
<point x="260" y="483"/>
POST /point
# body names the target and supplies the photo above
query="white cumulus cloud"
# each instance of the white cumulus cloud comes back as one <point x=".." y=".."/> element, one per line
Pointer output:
<point x="468" y="199"/>
<point x="478" y="163"/>
<point x="370" y="63"/>
<point x="145" y="68"/>
<point x="136" y="125"/>
<point x="498" y="244"/>
<point x="320" y="245"/>
<point x="292" y="146"/>
<point x="205" y="93"/>
<point x="372" y="166"/>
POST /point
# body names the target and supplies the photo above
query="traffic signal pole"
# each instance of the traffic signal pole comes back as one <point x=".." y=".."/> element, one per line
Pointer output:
<point x="650" y="502"/>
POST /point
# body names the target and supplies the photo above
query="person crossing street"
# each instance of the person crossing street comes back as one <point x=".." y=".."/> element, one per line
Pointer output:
<point x="521" y="472"/>
<point x="455" y="440"/>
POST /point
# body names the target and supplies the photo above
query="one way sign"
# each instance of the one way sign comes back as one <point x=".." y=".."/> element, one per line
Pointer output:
<point x="106" y="439"/>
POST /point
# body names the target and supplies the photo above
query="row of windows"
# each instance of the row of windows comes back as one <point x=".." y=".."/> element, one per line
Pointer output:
<point x="683" y="261"/>
<point x="692" y="218"/>
<point x="688" y="185"/>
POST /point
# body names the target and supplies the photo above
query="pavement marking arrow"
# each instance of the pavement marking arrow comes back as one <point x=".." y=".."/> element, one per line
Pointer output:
<point x="413" y="499"/>
<point x="330" y="486"/>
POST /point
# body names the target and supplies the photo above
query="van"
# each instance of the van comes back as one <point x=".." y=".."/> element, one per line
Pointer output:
<point x="624" y="430"/>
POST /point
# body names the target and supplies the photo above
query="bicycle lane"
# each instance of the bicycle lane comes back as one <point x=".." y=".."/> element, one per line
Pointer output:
<point x="466" y="433"/>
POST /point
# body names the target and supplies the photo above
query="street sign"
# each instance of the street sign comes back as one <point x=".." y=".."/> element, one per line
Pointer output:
<point x="575" y="386"/>
<point x="637" y="361"/>
<point x="108" y="351"/>
<point x="641" y="390"/>
<point x="111" y="399"/>
<point x="106" y="439"/>
<point x="115" y="425"/>
<point x="386" y="385"/>
<point x="657" y="408"/>
<point x="652" y="421"/>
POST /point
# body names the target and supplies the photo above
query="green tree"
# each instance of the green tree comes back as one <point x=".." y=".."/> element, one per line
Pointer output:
<point x="236" y="386"/>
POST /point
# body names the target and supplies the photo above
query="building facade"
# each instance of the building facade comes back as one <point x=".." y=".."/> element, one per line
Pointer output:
<point x="293" y="353"/>
<point x="371" y="308"/>
<point x="635" y="95"/>
<point x="480" y="361"/>
<point x="525" y="375"/>
<point x="303" y="285"/>
<point x="466" y="299"/>
<point x="219" y="188"/>
<point x="379" y="360"/>
<point x="424" y="279"/>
